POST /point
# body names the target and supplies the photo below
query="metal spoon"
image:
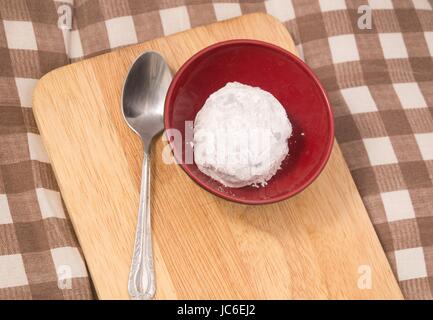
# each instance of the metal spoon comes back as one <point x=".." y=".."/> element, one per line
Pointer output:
<point x="143" y="99"/>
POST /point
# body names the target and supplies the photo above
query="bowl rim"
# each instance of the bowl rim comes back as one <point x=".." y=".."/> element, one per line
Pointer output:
<point x="301" y="64"/>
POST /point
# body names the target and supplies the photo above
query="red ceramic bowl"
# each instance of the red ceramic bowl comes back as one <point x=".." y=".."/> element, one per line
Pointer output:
<point x="275" y="70"/>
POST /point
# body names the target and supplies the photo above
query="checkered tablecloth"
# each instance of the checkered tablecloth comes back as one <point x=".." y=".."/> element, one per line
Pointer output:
<point x="379" y="81"/>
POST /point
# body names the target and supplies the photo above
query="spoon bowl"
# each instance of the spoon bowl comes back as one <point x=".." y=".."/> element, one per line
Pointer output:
<point x="144" y="94"/>
<point x="142" y="103"/>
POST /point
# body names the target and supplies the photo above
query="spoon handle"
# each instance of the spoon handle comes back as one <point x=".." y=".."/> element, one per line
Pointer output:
<point x="141" y="283"/>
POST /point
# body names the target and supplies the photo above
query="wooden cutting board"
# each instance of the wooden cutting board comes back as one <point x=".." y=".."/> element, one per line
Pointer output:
<point x="318" y="244"/>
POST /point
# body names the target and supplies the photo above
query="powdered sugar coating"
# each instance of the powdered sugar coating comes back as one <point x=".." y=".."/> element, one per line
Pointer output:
<point x="240" y="136"/>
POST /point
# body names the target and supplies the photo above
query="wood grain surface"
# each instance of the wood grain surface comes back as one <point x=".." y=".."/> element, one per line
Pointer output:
<point x="315" y="245"/>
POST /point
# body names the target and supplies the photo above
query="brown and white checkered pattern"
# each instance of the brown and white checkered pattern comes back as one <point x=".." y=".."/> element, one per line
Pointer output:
<point x="37" y="244"/>
<point x="379" y="81"/>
